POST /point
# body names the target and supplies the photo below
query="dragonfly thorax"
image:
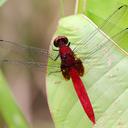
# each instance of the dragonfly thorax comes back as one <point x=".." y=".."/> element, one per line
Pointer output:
<point x="67" y="56"/>
<point x="69" y="61"/>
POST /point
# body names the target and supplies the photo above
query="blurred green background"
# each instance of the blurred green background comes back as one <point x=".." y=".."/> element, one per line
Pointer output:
<point x="33" y="22"/>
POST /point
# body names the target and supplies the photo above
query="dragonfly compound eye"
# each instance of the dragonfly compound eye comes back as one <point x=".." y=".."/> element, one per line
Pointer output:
<point x="56" y="44"/>
<point x="65" y="39"/>
<point x="60" y="40"/>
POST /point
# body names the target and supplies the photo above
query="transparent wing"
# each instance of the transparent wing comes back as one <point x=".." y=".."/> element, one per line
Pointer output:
<point x="110" y="27"/>
<point x="8" y="48"/>
<point x="14" y="53"/>
<point x="121" y="37"/>
<point x="114" y="23"/>
<point x="104" y="48"/>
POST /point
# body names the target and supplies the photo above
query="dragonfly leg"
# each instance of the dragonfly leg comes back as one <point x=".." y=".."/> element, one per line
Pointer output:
<point x="56" y="57"/>
<point x="54" y="49"/>
<point x="69" y="44"/>
<point x="54" y="72"/>
<point x="53" y="58"/>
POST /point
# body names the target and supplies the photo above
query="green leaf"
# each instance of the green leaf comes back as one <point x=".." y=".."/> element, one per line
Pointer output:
<point x="2" y="2"/>
<point x="99" y="10"/>
<point x="105" y="78"/>
<point x="9" y="110"/>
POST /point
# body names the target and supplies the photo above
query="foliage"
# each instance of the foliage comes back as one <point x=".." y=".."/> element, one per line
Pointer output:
<point x="99" y="10"/>
<point x="2" y="2"/>
<point x="105" y="79"/>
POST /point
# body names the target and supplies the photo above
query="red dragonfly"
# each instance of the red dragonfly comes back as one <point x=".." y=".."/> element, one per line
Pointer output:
<point x="71" y="66"/>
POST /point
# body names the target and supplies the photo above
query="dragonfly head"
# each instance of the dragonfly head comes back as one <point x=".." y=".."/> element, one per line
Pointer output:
<point x="60" y="40"/>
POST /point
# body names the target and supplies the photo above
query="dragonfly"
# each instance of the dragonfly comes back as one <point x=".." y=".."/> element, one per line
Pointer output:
<point x="66" y="60"/>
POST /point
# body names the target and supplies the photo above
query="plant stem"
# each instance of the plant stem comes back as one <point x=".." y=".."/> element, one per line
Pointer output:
<point x="80" y="6"/>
